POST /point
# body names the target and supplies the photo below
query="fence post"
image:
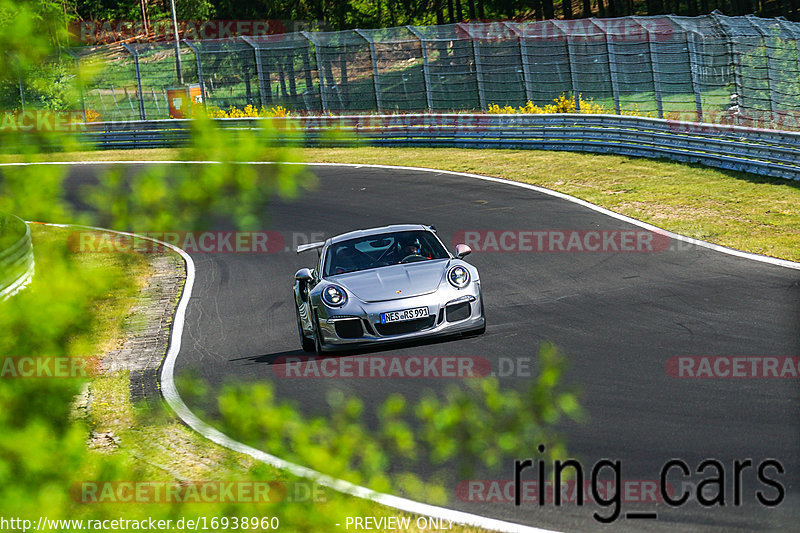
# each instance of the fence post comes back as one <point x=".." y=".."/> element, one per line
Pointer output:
<point x="773" y="100"/>
<point x="654" y="68"/>
<point x="320" y="74"/>
<point x="476" y="57"/>
<point x="526" y="67"/>
<point x="259" y="70"/>
<point x="80" y="82"/>
<point x="789" y="27"/>
<point x="139" y="93"/>
<point x="735" y="59"/>
<point x="376" y="81"/>
<point x="612" y="65"/>
<point x="199" y="69"/>
<point x="570" y="54"/>
<point x="426" y="71"/>
<point x="689" y="34"/>
<point x="21" y="92"/>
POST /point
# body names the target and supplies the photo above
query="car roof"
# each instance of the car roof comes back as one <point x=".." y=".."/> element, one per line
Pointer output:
<point x="377" y="231"/>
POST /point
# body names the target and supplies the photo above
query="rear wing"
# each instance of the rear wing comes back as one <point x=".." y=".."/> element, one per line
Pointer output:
<point x="312" y="246"/>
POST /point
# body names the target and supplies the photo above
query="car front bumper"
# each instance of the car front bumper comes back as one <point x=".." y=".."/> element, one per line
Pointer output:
<point x="358" y="324"/>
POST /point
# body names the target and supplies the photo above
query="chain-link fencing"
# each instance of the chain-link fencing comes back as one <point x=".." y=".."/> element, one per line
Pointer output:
<point x="713" y="68"/>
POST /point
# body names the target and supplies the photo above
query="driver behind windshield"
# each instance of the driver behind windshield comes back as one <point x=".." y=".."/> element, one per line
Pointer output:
<point x="411" y="248"/>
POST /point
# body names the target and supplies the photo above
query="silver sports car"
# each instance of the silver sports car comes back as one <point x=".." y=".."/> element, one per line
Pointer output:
<point x="394" y="283"/>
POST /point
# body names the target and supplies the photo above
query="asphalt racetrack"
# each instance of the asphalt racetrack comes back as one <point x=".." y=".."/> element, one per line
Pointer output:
<point x="622" y="318"/>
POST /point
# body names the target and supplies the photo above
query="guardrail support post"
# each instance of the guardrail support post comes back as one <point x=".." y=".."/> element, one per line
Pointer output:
<point x="259" y="70"/>
<point x="323" y="93"/>
<point x="139" y="92"/>
<point x="426" y="71"/>
<point x="376" y="81"/>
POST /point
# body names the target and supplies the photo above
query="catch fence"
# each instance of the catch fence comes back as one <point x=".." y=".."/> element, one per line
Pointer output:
<point x="707" y="69"/>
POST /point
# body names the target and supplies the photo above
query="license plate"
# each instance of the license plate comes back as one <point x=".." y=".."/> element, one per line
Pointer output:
<point x="405" y="314"/>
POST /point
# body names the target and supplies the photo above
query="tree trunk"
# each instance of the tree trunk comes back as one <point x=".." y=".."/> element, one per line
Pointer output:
<point x="459" y="12"/>
<point x="471" y="9"/>
<point x="566" y="8"/>
<point x="587" y="9"/>
<point x="549" y="9"/>
<point x="601" y="9"/>
<point x="451" y="12"/>
<point x="537" y="9"/>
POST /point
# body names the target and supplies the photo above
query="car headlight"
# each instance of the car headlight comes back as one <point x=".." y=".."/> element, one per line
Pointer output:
<point x="458" y="276"/>
<point x="334" y="296"/>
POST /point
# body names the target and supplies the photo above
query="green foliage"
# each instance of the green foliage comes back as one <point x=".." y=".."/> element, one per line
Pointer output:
<point x="474" y="426"/>
<point x="43" y="449"/>
<point x="484" y="424"/>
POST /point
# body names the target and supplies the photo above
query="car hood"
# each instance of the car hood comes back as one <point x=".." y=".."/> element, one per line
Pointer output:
<point x="394" y="282"/>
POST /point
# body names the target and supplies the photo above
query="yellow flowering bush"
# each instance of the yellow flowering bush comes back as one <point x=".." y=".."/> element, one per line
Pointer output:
<point x="249" y="111"/>
<point x="563" y="104"/>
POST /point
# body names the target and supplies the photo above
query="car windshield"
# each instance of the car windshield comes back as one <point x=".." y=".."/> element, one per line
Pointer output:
<point x="382" y="250"/>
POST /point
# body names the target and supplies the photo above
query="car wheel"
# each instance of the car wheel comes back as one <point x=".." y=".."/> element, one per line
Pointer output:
<point x="305" y="342"/>
<point x="318" y="346"/>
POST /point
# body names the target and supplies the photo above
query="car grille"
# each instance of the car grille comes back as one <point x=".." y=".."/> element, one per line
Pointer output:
<point x="349" y="329"/>
<point x="459" y="311"/>
<point x="409" y="326"/>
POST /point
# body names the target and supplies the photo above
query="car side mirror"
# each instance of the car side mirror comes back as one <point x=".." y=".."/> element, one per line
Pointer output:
<point x="304" y="275"/>
<point x="462" y="250"/>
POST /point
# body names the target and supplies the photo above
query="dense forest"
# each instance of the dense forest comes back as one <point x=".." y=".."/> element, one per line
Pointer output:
<point x="345" y="14"/>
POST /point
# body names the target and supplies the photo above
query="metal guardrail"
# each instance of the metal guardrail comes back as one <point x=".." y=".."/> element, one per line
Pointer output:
<point x="16" y="263"/>
<point x="758" y="151"/>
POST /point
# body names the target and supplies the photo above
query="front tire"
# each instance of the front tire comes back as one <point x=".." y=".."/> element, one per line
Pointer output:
<point x="318" y="346"/>
<point x="305" y="342"/>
